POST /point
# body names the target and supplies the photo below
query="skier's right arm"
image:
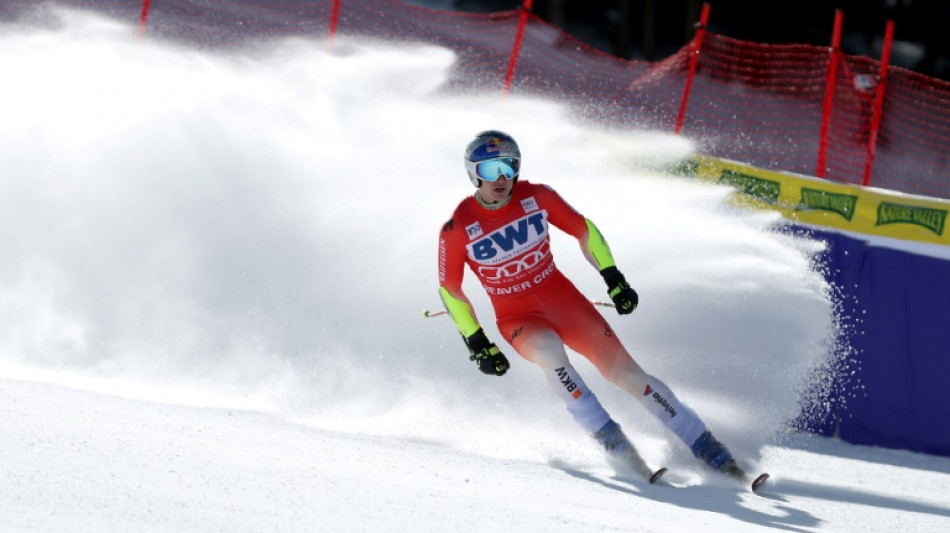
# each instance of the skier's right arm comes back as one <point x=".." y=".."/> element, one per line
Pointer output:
<point x="486" y="354"/>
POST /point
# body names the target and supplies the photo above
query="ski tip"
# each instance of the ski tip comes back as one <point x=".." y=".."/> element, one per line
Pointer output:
<point x="657" y="475"/>
<point x="759" y="481"/>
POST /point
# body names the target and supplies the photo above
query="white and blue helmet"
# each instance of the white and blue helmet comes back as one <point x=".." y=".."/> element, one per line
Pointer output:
<point x="491" y="155"/>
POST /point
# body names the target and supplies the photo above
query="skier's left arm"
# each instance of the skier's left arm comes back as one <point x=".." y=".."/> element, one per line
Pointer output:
<point x="594" y="247"/>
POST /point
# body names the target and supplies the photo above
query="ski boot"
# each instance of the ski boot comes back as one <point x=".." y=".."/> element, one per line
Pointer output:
<point x="715" y="454"/>
<point x="621" y="454"/>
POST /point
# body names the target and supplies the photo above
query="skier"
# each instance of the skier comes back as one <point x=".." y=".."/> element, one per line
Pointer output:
<point x="501" y="233"/>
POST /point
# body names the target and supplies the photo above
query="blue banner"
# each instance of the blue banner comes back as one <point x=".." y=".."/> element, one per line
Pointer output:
<point x="890" y="377"/>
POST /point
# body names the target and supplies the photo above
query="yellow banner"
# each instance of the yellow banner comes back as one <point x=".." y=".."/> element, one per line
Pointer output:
<point x="826" y="203"/>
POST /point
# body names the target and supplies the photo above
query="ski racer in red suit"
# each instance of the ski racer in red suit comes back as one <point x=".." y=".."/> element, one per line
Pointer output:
<point x="502" y="234"/>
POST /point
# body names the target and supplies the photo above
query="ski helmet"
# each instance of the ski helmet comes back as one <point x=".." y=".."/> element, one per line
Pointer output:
<point x="490" y="155"/>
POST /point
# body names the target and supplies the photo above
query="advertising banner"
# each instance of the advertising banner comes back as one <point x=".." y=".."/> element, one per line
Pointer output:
<point x="894" y="301"/>
<point x="829" y="204"/>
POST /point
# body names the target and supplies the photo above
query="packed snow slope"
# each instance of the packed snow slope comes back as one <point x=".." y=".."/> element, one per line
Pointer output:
<point x="213" y="272"/>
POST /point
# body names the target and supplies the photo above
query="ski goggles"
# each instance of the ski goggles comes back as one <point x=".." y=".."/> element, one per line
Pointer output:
<point x="492" y="169"/>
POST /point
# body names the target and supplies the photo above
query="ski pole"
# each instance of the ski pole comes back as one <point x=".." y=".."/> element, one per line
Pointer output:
<point x="430" y="314"/>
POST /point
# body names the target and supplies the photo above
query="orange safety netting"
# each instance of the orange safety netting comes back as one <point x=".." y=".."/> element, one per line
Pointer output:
<point x="756" y="103"/>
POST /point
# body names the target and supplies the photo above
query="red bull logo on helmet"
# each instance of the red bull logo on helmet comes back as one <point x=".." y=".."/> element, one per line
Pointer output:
<point x="498" y="146"/>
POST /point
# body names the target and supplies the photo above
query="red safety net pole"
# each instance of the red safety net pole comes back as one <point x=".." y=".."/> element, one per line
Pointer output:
<point x="879" y="101"/>
<point x="143" y="18"/>
<point x="695" y="47"/>
<point x="334" y="17"/>
<point x="516" y="50"/>
<point x="829" y="96"/>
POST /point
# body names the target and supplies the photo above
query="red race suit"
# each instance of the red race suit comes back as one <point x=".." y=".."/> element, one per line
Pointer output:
<point x="509" y="251"/>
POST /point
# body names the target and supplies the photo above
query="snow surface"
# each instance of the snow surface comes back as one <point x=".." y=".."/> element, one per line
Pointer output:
<point x="211" y="287"/>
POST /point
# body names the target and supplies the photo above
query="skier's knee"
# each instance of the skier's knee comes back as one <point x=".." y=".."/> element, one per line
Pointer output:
<point x="627" y="375"/>
<point x="544" y="349"/>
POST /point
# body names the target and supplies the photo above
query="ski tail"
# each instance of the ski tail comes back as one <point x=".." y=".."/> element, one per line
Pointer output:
<point x="655" y="476"/>
<point x="759" y="481"/>
<point x="622" y="455"/>
<point x="731" y="469"/>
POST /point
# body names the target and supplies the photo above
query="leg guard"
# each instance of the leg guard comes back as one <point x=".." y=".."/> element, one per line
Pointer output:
<point x="686" y="424"/>
<point x="675" y="415"/>
<point x="543" y="347"/>
<point x="579" y="400"/>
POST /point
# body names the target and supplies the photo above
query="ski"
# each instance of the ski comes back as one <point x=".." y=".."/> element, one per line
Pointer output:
<point x="655" y="476"/>
<point x="759" y="481"/>
<point x="731" y="469"/>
